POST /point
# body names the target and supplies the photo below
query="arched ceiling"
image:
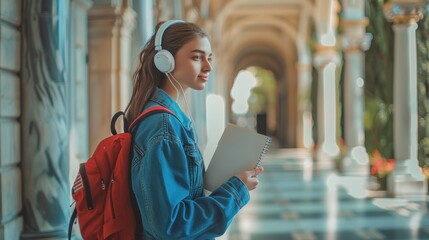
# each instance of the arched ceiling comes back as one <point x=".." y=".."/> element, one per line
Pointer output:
<point x="286" y="18"/>
<point x="248" y="31"/>
<point x="230" y="20"/>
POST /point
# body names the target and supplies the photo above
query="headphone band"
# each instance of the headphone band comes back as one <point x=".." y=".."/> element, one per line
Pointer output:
<point x="161" y="30"/>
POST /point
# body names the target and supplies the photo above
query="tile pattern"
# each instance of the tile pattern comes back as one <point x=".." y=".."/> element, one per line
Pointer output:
<point x="293" y="203"/>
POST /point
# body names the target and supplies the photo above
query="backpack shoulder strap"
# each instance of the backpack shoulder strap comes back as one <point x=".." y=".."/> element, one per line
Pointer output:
<point x="72" y="219"/>
<point x="113" y="122"/>
<point x="144" y="114"/>
<point x="148" y="112"/>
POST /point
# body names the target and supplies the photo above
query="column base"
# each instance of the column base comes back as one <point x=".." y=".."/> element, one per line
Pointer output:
<point x="324" y="159"/>
<point x="406" y="185"/>
<point x="355" y="162"/>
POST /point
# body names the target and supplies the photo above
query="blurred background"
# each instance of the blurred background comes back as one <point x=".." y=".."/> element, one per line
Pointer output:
<point x="342" y="87"/>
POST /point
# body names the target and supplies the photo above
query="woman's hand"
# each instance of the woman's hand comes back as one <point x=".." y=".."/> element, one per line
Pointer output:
<point x="250" y="178"/>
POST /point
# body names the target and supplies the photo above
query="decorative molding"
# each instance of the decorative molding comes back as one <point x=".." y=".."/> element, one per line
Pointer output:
<point x="325" y="55"/>
<point x="346" y="23"/>
<point x="353" y="44"/>
<point x="400" y="12"/>
<point x="406" y="19"/>
<point x="325" y="48"/>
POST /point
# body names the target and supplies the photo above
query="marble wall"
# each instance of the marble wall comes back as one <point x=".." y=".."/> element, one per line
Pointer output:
<point x="10" y="174"/>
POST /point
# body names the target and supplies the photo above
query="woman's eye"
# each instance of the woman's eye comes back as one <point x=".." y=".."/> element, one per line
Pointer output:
<point x="196" y="57"/>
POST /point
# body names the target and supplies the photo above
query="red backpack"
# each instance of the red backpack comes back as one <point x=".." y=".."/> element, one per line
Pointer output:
<point x="105" y="204"/>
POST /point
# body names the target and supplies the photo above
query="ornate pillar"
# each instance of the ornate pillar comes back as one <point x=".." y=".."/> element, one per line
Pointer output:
<point x="305" y="121"/>
<point x="354" y="43"/>
<point x="326" y="60"/>
<point x="407" y="178"/>
<point x="45" y="86"/>
<point x="110" y="27"/>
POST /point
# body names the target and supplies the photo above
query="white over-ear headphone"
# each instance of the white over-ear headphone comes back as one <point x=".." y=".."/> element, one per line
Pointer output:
<point x="163" y="59"/>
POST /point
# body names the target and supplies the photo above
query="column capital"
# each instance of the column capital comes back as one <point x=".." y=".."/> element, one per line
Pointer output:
<point x="324" y="55"/>
<point x="406" y="19"/>
<point x="353" y="43"/>
<point x="404" y="12"/>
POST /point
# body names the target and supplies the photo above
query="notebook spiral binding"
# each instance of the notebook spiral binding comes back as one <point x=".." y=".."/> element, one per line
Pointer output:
<point x="264" y="151"/>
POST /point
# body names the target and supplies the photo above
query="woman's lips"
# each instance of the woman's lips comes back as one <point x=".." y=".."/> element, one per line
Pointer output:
<point x="204" y="77"/>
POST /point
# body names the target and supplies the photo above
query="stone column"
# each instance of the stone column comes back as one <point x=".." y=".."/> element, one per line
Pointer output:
<point x="145" y="27"/>
<point x="78" y="68"/>
<point x="145" y="20"/>
<point x="177" y="8"/>
<point x="109" y="46"/>
<point x="407" y="178"/>
<point x="354" y="42"/>
<point x="304" y="122"/>
<point x="45" y="86"/>
<point x="326" y="60"/>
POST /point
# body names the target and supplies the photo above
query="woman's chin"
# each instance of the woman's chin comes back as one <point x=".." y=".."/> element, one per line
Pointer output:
<point x="200" y="87"/>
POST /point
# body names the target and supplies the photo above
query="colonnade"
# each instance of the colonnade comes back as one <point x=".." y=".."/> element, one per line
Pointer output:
<point x="407" y="179"/>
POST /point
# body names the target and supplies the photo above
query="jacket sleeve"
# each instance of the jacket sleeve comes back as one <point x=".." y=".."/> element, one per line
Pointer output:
<point x="170" y="212"/>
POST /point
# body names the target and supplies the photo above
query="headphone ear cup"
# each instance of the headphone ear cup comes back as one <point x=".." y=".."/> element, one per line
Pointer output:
<point x="164" y="61"/>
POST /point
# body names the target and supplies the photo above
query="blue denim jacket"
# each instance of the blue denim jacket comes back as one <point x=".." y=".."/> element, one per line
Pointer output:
<point x="167" y="179"/>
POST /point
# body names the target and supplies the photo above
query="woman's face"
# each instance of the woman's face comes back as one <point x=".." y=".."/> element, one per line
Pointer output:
<point x="193" y="63"/>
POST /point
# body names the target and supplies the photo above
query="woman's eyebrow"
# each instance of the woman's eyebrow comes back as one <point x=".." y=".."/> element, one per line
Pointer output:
<point x="200" y="51"/>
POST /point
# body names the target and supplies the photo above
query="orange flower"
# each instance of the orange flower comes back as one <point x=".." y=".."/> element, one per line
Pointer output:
<point x="381" y="166"/>
<point x="425" y="171"/>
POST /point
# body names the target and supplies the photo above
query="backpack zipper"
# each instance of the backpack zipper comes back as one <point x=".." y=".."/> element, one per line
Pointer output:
<point x="87" y="187"/>
<point x="112" y="181"/>
<point x="103" y="185"/>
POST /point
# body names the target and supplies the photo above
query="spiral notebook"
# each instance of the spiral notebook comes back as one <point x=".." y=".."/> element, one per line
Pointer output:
<point x="238" y="149"/>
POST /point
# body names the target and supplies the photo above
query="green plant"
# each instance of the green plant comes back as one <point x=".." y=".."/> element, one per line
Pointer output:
<point x="422" y="36"/>
<point x="379" y="82"/>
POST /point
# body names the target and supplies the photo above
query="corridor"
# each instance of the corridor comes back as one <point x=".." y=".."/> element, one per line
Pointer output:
<point x="294" y="202"/>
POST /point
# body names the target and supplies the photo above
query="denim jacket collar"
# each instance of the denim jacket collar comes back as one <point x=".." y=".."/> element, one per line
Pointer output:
<point x="162" y="98"/>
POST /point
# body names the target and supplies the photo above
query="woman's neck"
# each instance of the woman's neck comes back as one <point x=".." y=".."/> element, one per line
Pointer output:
<point x="175" y="91"/>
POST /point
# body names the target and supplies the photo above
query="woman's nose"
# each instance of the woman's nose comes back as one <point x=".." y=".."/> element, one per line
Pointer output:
<point x="207" y="66"/>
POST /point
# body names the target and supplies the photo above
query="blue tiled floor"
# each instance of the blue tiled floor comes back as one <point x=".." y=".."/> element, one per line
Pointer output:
<point x="290" y="205"/>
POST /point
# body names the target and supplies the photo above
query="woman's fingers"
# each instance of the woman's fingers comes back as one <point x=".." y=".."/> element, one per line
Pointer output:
<point x="250" y="178"/>
<point x="253" y="183"/>
<point x="258" y="170"/>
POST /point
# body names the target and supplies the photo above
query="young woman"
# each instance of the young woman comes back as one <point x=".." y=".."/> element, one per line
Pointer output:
<point x="167" y="166"/>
